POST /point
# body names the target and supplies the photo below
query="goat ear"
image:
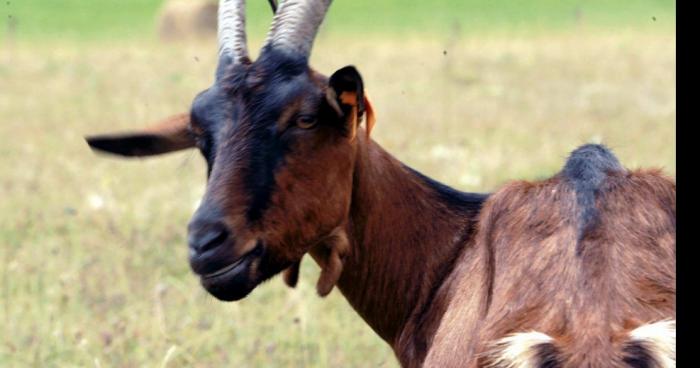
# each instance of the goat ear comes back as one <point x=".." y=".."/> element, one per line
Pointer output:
<point x="369" y="113"/>
<point x="168" y="135"/>
<point x="347" y="96"/>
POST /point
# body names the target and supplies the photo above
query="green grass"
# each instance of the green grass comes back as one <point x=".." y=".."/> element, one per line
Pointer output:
<point x="93" y="269"/>
<point x="109" y="19"/>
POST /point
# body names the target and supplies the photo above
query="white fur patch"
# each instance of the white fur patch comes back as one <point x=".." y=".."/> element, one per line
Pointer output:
<point x="517" y="350"/>
<point x="660" y="339"/>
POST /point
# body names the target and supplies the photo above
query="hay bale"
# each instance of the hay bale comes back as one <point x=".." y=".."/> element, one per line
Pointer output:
<point x="185" y="19"/>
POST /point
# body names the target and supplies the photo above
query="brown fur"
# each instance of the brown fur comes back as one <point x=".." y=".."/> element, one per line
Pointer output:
<point x="516" y="271"/>
<point x="521" y="273"/>
<point x="291" y="274"/>
<point x="330" y="255"/>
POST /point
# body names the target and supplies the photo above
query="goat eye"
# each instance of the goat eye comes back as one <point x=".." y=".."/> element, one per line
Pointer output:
<point x="306" y="121"/>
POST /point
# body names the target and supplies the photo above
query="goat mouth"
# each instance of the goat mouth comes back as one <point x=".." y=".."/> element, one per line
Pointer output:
<point x="228" y="269"/>
<point x="235" y="281"/>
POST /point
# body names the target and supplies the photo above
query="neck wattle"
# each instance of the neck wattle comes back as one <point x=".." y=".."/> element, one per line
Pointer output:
<point x="405" y="231"/>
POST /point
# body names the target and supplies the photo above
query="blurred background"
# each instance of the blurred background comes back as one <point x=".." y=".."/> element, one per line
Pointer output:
<point x="93" y="265"/>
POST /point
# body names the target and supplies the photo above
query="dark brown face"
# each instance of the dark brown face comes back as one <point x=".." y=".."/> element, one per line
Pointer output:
<point x="280" y="150"/>
<point x="279" y="141"/>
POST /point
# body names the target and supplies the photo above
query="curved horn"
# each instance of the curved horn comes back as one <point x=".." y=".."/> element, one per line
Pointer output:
<point x="295" y="25"/>
<point x="231" y="30"/>
<point x="273" y="5"/>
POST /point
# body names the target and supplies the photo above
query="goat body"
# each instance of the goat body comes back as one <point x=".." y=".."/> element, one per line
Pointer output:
<point x="565" y="272"/>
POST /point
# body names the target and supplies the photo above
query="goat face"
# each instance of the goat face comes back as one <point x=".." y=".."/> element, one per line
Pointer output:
<point x="280" y="161"/>
<point x="279" y="141"/>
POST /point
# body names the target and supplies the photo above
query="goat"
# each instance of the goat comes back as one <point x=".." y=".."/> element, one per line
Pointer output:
<point x="574" y="271"/>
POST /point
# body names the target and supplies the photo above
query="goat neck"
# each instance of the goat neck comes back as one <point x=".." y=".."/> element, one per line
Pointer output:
<point x="405" y="231"/>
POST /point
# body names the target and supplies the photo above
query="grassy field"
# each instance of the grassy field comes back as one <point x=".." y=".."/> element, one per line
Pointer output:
<point x="93" y="268"/>
<point x="79" y="20"/>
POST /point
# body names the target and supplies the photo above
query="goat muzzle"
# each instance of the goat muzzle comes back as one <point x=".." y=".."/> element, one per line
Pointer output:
<point x="238" y="279"/>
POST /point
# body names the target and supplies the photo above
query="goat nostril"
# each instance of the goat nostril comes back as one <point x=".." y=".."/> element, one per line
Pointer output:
<point x="208" y="238"/>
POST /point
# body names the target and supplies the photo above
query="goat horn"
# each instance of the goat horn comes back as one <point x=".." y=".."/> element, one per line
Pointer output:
<point x="273" y="5"/>
<point x="231" y="30"/>
<point x="295" y="25"/>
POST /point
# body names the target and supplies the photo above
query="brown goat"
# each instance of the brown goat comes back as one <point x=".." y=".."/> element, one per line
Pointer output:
<point x="574" y="271"/>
